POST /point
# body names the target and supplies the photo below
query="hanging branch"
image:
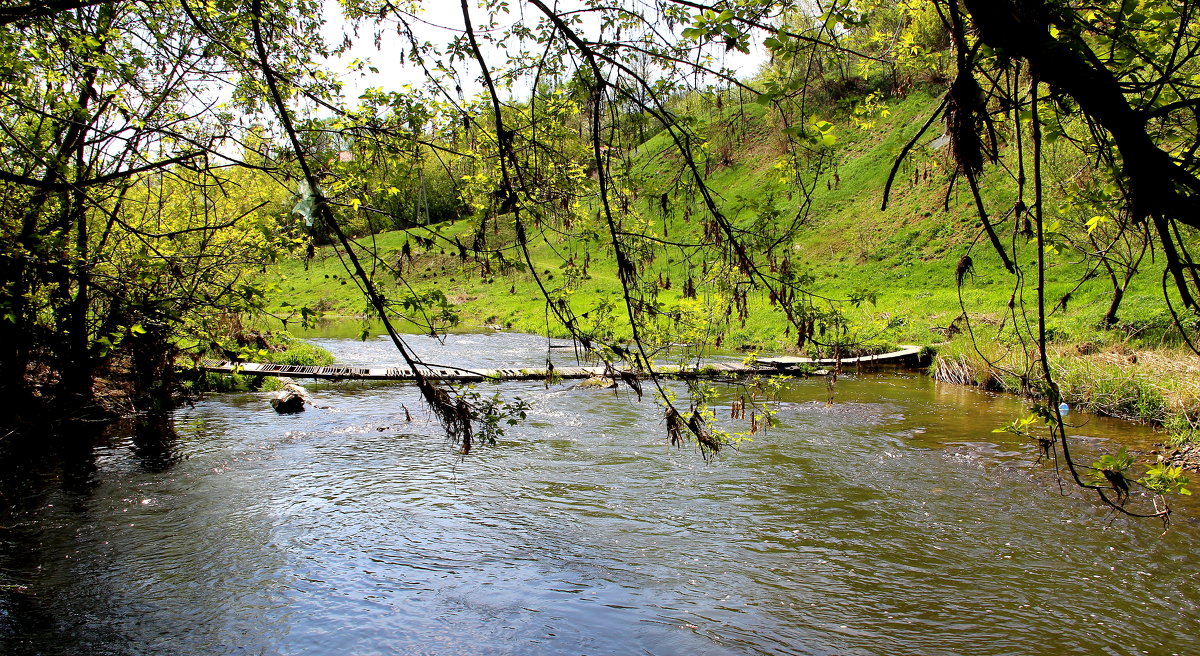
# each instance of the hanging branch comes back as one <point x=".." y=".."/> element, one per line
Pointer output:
<point x="887" y="187"/>
<point x="965" y="114"/>
<point x="1052" y="394"/>
<point x="1159" y="188"/>
<point x="456" y="414"/>
<point x="625" y="268"/>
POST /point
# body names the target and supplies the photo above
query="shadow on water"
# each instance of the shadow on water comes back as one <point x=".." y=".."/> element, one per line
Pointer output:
<point x="65" y="456"/>
<point x="155" y="442"/>
<point x="56" y="468"/>
<point x="61" y="457"/>
<point x="69" y="497"/>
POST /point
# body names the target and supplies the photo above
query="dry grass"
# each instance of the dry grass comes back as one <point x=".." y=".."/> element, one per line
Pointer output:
<point x="1159" y="386"/>
<point x="1171" y="373"/>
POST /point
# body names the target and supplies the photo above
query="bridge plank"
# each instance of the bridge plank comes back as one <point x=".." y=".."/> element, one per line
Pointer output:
<point x="784" y="365"/>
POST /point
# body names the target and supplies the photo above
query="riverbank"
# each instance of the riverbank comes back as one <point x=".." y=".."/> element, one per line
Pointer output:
<point x="1112" y="374"/>
<point x="1135" y="370"/>
<point x="1160" y="387"/>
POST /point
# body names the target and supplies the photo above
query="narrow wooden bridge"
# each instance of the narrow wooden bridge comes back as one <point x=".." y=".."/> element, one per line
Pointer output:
<point x="909" y="356"/>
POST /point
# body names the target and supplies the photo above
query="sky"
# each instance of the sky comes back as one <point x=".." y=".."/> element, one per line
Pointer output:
<point x="441" y="21"/>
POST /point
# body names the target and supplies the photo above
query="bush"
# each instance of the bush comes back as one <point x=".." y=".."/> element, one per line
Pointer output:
<point x="299" y="353"/>
<point x="287" y="351"/>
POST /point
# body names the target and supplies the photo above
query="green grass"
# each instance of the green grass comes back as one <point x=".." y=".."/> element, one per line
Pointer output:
<point x="1153" y="386"/>
<point x="904" y="257"/>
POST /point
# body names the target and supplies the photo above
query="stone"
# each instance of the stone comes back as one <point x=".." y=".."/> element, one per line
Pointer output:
<point x="598" y="382"/>
<point x="290" y="399"/>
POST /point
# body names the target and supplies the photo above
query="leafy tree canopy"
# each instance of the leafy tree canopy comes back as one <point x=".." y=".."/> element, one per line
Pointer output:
<point x="152" y="151"/>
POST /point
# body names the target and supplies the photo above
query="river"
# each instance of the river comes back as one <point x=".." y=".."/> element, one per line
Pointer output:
<point x="893" y="521"/>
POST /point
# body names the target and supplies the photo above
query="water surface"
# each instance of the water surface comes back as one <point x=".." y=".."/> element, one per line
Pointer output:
<point x="891" y="522"/>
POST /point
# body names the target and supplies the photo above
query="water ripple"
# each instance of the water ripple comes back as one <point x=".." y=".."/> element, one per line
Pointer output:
<point x="893" y="521"/>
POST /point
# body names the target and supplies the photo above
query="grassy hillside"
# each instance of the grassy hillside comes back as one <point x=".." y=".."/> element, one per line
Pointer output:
<point x="905" y="258"/>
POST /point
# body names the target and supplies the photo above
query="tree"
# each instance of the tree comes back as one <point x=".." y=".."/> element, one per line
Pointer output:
<point x="1126" y="72"/>
<point x="552" y="133"/>
<point x="105" y="126"/>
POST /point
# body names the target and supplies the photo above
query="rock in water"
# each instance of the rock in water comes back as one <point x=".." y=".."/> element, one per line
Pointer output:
<point x="290" y="399"/>
<point x="286" y="403"/>
<point x="597" y="382"/>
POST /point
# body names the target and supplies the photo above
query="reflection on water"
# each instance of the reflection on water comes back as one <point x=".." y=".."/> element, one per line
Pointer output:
<point x="155" y="442"/>
<point x="893" y="521"/>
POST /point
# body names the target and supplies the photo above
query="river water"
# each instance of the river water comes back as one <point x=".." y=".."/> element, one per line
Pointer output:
<point x="893" y="521"/>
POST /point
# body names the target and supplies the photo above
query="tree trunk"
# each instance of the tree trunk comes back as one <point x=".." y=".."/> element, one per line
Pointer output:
<point x="1159" y="189"/>
<point x="1110" y="318"/>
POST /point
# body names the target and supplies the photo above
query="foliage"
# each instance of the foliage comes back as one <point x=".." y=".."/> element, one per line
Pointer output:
<point x="592" y="152"/>
<point x="292" y="351"/>
<point x="1111" y="469"/>
<point x="272" y="348"/>
<point x="123" y="231"/>
<point x="1160" y="479"/>
<point x="1165" y="479"/>
<point x="496" y="413"/>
